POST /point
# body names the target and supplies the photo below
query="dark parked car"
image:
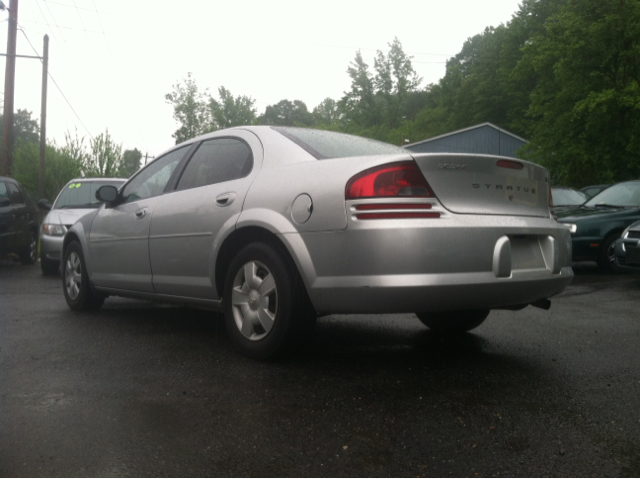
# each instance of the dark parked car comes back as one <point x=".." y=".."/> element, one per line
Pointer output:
<point x="18" y="222"/>
<point x="628" y="248"/>
<point x="593" y="190"/>
<point x="596" y="225"/>
<point x="565" y="197"/>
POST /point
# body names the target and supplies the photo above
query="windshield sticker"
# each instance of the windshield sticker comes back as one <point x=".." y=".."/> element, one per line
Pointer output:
<point x="75" y="185"/>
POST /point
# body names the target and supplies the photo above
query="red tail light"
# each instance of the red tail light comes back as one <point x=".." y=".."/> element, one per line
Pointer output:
<point x="551" y="205"/>
<point x="391" y="180"/>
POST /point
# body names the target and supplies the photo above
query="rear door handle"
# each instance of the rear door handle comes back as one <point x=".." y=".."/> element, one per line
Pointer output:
<point x="141" y="213"/>
<point x="225" y="199"/>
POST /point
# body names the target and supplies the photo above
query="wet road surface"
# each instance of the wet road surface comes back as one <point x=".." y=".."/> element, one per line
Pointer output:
<point x="139" y="389"/>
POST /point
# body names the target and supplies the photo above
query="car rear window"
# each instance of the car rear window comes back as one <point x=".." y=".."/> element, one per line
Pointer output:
<point x="82" y="194"/>
<point x="329" y="144"/>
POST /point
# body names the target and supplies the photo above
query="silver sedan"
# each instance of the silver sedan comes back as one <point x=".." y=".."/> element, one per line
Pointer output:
<point x="276" y="225"/>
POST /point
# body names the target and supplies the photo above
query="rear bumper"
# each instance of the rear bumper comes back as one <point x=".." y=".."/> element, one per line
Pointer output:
<point x="439" y="292"/>
<point x="461" y="262"/>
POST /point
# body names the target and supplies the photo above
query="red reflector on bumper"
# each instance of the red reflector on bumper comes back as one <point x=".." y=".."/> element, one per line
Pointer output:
<point x="387" y="216"/>
<point x="394" y="206"/>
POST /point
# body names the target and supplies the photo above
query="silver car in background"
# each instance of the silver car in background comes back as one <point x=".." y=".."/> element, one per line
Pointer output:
<point x="276" y="225"/>
<point x="76" y="199"/>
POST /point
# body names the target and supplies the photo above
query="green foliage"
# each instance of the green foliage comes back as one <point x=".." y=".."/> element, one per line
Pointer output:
<point x="130" y="163"/>
<point x="287" y="113"/>
<point x="60" y="166"/>
<point x="24" y="128"/>
<point x="585" y="107"/>
<point x="231" y="111"/>
<point x="104" y="157"/>
<point x="190" y="110"/>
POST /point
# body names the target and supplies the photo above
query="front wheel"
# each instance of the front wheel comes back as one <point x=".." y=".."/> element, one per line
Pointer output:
<point x="607" y="255"/>
<point x="75" y="280"/>
<point x="266" y="307"/>
<point x="454" y="322"/>
<point x="29" y="254"/>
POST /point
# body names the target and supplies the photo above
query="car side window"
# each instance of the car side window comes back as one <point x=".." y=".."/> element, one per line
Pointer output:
<point x="4" y="193"/>
<point x="153" y="179"/>
<point x="15" y="195"/>
<point x="215" y="161"/>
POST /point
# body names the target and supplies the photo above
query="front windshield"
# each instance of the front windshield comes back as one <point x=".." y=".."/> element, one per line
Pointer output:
<point x="328" y="144"/>
<point x="82" y="194"/>
<point x="622" y="194"/>
<point x="567" y="197"/>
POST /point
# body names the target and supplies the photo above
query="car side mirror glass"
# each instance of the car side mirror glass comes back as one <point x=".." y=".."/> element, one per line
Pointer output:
<point x="107" y="194"/>
<point x="44" y="204"/>
<point x="4" y="202"/>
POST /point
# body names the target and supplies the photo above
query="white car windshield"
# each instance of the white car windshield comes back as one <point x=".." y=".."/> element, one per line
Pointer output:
<point x="82" y="194"/>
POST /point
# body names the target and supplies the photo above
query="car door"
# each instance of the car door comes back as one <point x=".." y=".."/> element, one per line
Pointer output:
<point x="207" y="201"/>
<point x="20" y="217"/>
<point x="6" y="231"/>
<point x="119" y="237"/>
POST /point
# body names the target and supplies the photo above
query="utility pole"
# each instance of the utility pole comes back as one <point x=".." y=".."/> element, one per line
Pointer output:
<point x="43" y="114"/>
<point x="9" y="84"/>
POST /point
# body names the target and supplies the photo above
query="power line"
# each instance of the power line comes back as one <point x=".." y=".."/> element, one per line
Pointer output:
<point x="101" y="27"/>
<point x="58" y="86"/>
<point x="55" y="23"/>
<point x="82" y="22"/>
<point x="78" y="8"/>
<point x="45" y="20"/>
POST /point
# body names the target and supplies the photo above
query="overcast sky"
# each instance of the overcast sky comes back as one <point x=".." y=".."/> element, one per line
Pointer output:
<point x="114" y="60"/>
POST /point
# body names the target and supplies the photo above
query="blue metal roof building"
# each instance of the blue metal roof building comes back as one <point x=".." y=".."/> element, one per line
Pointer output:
<point x="485" y="138"/>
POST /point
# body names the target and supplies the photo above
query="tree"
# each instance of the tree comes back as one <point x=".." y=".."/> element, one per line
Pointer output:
<point x="24" y="127"/>
<point x="63" y="164"/>
<point x="104" y="157"/>
<point x="231" y="111"/>
<point x="585" y="106"/>
<point x="190" y="110"/>
<point x="130" y="163"/>
<point x="359" y="103"/>
<point x="327" y="113"/>
<point x="287" y="113"/>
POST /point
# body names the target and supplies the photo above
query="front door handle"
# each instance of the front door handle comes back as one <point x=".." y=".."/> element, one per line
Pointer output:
<point x="141" y="213"/>
<point x="225" y="199"/>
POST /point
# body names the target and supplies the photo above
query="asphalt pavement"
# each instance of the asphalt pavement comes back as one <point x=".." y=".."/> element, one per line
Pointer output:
<point x="140" y="389"/>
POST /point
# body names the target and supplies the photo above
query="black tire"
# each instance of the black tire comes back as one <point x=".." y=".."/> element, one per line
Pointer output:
<point x="454" y="322"/>
<point x="75" y="281"/>
<point x="266" y="307"/>
<point x="49" y="267"/>
<point x="607" y="255"/>
<point x="29" y="253"/>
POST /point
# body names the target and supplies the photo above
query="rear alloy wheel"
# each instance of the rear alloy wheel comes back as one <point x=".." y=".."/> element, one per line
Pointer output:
<point x="75" y="280"/>
<point x="29" y="254"/>
<point x="265" y="305"/>
<point x="607" y="255"/>
<point x="454" y="322"/>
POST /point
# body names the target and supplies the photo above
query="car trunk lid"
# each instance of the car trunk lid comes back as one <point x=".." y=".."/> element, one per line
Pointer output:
<point x="486" y="185"/>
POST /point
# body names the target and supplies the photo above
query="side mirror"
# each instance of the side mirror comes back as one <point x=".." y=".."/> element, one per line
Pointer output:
<point x="44" y="204"/>
<point x="107" y="194"/>
<point x="5" y="202"/>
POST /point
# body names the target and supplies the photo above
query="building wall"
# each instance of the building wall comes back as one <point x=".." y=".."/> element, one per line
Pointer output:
<point x="483" y="140"/>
